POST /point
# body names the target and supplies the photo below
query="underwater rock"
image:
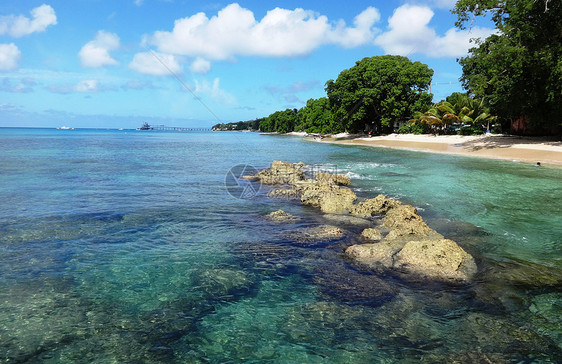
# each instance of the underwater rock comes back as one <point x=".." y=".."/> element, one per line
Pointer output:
<point x="282" y="216"/>
<point x="337" y="281"/>
<point x="315" y="235"/>
<point x="329" y="198"/>
<point x="281" y="173"/>
<point x="347" y="220"/>
<point x="338" y="179"/>
<point x="524" y="273"/>
<point x="502" y="283"/>
<point x="466" y="357"/>
<point x="496" y="334"/>
<point x="546" y="316"/>
<point x="442" y="260"/>
<point x="374" y="206"/>
<point x="371" y="234"/>
<point x="218" y="282"/>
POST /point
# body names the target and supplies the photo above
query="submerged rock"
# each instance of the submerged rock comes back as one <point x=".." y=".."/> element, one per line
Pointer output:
<point x="348" y="220"/>
<point x="282" y="216"/>
<point x="546" y="316"/>
<point x="219" y="282"/>
<point x="316" y="235"/>
<point x="442" y="260"/>
<point x="374" y="206"/>
<point x="337" y="281"/>
<point x="496" y="334"/>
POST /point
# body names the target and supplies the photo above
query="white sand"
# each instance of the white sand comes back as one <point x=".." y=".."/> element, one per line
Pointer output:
<point x="521" y="149"/>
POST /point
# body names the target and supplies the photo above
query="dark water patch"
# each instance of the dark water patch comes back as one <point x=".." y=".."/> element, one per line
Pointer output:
<point x="336" y="281"/>
<point x="395" y="174"/>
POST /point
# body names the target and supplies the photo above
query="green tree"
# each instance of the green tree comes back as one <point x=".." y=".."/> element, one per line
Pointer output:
<point x="457" y="109"/>
<point x="379" y="91"/>
<point x="266" y="125"/>
<point x="316" y="117"/>
<point x="280" y="121"/>
<point x="519" y="69"/>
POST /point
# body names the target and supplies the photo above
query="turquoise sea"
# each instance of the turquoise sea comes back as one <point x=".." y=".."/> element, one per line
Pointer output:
<point x="128" y="247"/>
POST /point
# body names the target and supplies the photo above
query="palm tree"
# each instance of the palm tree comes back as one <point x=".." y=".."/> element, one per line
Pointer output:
<point x="459" y="109"/>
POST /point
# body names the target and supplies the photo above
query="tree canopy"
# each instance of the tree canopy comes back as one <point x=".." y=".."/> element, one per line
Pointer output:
<point x="280" y="121"/>
<point x="317" y="117"/>
<point x="378" y="91"/>
<point x="519" y="69"/>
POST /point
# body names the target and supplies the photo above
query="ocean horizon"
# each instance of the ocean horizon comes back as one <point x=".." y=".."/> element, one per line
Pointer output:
<point x="139" y="246"/>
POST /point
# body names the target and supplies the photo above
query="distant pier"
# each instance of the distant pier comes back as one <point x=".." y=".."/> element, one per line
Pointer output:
<point x="174" y="128"/>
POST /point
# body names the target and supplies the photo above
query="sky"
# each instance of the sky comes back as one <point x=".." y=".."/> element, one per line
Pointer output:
<point x="190" y="63"/>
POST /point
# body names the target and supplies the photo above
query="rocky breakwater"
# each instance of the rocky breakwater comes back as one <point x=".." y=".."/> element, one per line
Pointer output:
<point x="398" y="240"/>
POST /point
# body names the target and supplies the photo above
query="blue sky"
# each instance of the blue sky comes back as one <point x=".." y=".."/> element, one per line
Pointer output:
<point x="106" y="63"/>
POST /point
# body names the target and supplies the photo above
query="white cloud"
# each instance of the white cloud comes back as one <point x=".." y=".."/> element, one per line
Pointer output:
<point x="89" y="86"/>
<point x="138" y="85"/>
<point x="23" y="86"/>
<point x="18" y="26"/>
<point x="84" y="86"/>
<point x="95" y="54"/>
<point x="234" y="31"/>
<point x="10" y="55"/>
<point x="157" y="64"/>
<point x="409" y="32"/>
<point x="214" y="91"/>
<point x="200" y="65"/>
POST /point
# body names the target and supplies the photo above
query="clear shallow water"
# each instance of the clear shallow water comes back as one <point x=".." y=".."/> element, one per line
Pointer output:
<point x="125" y="246"/>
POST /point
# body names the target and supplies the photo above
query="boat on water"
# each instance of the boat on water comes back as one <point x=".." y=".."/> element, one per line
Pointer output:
<point x="145" y="126"/>
<point x="65" y="128"/>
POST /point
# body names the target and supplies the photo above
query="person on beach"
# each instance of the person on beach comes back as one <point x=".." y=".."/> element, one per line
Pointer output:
<point x="538" y="164"/>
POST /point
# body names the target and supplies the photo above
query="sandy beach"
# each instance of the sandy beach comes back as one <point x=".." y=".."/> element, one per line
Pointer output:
<point x="548" y="151"/>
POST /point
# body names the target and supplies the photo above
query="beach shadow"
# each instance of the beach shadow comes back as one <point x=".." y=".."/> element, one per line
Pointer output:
<point x="507" y="141"/>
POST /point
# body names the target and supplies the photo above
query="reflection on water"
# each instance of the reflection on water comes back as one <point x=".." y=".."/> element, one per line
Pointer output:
<point x="127" y="248"/>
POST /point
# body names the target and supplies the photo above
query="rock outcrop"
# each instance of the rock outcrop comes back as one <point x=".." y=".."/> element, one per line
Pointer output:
<point x="371" y="234"/>
<point x="404" y="222"/>
<point x="282" y="216"/>
<point x="328" y="197"/>
<point x="338" y="179"/>
<point x="442" y="260"/>
<point x="409" y="248"/>
<point x="374" y="206"/>
<point x="281" y="173"/>
<point x="375" y="255"/>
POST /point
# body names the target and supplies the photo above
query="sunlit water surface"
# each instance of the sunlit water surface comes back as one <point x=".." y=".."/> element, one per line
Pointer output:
<point x="126" y="246"/>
